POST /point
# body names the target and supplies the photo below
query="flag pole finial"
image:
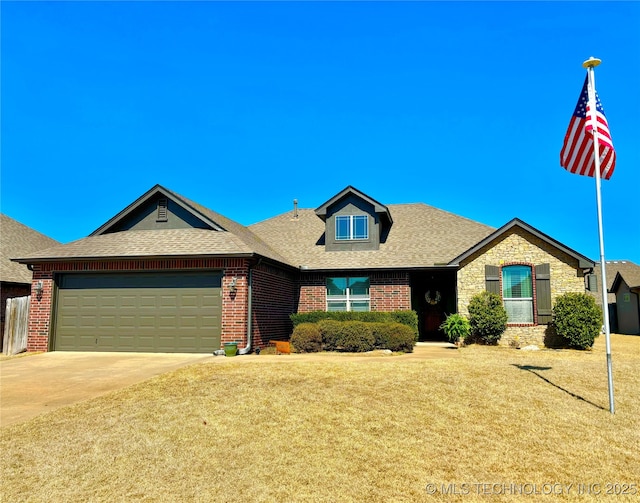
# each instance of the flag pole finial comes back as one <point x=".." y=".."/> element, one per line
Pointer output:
<point x="591" y="62"/>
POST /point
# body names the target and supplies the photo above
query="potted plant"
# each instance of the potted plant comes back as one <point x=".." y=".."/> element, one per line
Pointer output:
<point x="457" y="328"/>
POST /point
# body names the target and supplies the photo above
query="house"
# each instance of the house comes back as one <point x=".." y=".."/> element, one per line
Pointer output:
<point x="16" y="239"/>
<point x="169" y="275"/>
<point x="612" y="268"/>
<point x="626" y="288"/>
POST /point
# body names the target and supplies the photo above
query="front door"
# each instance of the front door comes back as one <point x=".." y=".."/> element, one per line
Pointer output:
<point x="433" y="298"/>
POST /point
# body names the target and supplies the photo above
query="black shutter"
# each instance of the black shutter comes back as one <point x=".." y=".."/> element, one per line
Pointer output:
<point x="543" y="293"/>
<point x="492" y="278"/>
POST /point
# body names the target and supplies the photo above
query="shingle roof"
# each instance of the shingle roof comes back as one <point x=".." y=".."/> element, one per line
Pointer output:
<point x="234" y="240"/>
<point x="240" y="231"/>
<point x="626" y="267"/>
<point x="18" y="239"/>
<point x="145" y="243"/>
<point x="629" y="272"/>
<point x="421" y="236"/>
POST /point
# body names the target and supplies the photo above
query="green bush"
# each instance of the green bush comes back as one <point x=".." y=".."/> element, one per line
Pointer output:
<point x="409" y="318"/>
<point x="487" y="317"/>
<point x="577" y="319"/>
<point x="400" y="337"/>
<point x="307" y="338"/>
<point x="380" y="332"/>
<point x="330" y="330"/>
<point x="456" y="327"/>
<point x="355" y="337"/>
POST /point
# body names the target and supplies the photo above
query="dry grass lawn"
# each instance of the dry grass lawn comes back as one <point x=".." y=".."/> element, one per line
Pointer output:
<point x="378" y="430"/>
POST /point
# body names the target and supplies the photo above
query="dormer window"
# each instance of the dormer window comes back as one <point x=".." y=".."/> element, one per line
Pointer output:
<point x="353" y="222"/>
<point x="352" y="227"/>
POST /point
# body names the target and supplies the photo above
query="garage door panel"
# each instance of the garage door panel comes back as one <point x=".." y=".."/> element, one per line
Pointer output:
<point x="147" y="312"/>
<point x="128" y="302"/>
<point x="107" y="323"/>
<point x="167" y="302"/>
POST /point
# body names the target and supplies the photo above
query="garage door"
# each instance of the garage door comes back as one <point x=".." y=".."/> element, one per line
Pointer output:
<point x="145" y="312"/>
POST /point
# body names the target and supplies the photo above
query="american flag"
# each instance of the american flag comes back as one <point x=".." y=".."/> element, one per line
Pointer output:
<point x="576" y="155"/>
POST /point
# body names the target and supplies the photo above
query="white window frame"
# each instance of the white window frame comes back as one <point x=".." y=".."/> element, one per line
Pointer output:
<point x="349" y="299"/>
<point x="352" y="227"/>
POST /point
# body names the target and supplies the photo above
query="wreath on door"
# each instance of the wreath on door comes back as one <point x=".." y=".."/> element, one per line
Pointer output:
<point x="432" y="301"/>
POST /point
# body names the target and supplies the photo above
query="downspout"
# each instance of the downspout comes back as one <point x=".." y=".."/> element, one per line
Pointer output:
<point x="247" y="348"/>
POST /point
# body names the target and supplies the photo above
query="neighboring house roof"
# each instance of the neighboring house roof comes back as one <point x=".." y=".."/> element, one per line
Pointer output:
<point x="630" y="274"/>
<point x="583" y="262"/>
<point x="421" y="236"/>
<point x="228" y="238"/>
<point x="18" y="239"/>
<point x="612" y="267"/>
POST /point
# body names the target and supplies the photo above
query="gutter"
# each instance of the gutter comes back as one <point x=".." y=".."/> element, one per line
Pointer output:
<point x="247" y="349"/>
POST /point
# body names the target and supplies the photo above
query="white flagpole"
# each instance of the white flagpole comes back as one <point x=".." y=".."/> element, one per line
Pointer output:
<point x="590" y="64"/>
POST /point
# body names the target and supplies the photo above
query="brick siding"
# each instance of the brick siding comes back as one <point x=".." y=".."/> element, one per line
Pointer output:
<point x="312" y="293"/>
<point x="388" y="291"/>
<point x="235" y="304"/>
<point x="272" y="303"/>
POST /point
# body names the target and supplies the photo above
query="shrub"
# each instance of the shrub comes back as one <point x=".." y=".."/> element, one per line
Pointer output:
<point x="307" y="338"/>
<point x="456" y="327"/>
<point x="487" y="317"/>
<point x="577" y="319"/>
<point x="380" y="332"/>
<point x="330" y="331"/>
<point x="409" y="318"/>
<point x="400" y="337"/>
<point x="356" y="336"/>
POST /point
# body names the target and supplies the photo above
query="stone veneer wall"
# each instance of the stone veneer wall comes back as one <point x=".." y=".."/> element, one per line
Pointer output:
<point x="519" y="246"/>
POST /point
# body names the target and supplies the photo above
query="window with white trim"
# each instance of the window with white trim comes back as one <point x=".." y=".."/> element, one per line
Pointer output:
<point x="517" y="293"/>
<point x="352" y="227"/>
<point x="348" y="294"/>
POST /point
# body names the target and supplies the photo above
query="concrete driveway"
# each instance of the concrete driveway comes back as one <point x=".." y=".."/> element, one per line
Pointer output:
<point x="33" y="385"/>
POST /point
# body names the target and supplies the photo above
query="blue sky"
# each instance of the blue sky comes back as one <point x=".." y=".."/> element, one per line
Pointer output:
<point x="245" y="106"/>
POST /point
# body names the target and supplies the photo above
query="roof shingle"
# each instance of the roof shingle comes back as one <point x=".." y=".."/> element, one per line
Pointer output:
<point x="18" y="239"/>
<point x="421" y="236"/>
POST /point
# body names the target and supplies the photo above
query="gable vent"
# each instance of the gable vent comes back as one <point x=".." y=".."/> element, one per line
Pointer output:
<point x="162" y="210"/>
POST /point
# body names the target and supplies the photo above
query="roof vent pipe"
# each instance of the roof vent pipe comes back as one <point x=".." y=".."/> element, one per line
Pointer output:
<point x="295" y="208"/>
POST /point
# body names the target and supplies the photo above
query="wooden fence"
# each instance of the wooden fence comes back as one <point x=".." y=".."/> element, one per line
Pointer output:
<point x="16" y="325"/>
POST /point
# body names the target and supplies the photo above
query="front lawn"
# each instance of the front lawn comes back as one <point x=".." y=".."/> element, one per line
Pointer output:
<point x="393" y="429"/>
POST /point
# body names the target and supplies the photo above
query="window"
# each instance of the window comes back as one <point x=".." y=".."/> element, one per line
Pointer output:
<point x="517" y="293"/>
<point x="350" y="227"/>
<point x="348" y="294"/>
